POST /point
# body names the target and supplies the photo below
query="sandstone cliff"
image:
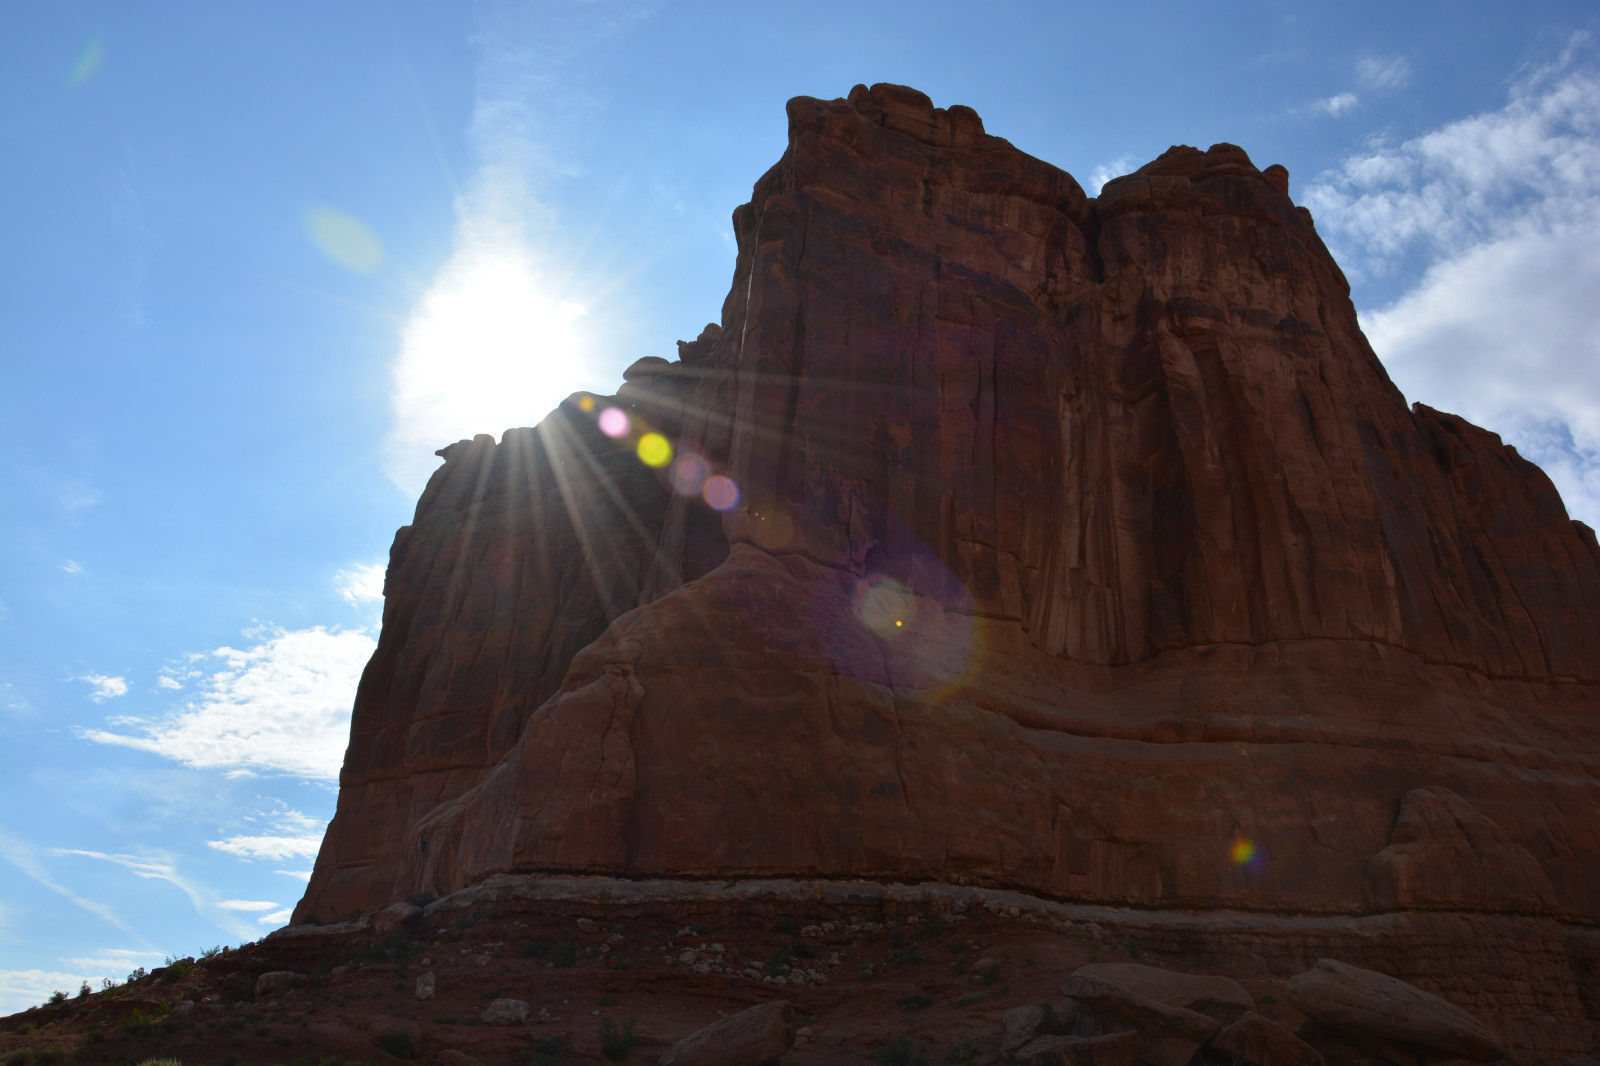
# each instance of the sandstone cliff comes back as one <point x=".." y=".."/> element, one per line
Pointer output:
<point x="1084" y="548"/>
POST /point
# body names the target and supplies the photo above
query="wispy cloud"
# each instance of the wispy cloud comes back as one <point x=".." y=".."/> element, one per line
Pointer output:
<point x="1382" y="73"/>
<point x="105" y="688"/>
<point x="22" y="855"/>
<point x="71" y="566"/>
<point x="1103" y="173"/>
<point x="293" y="835"/>
<point x="360" y="583"/>
<point x="280" y="705"/>
<point x="278" y="917"/>
<point x="247" y="905"/>
<point x="1499" y="215"/>
<point x="1336" y="105"/>
<point x="162" y="867"/>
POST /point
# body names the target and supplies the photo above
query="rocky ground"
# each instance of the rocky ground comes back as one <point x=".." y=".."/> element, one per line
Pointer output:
<point x="621" y="984"/>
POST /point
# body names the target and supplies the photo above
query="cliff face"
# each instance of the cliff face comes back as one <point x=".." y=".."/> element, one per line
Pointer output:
<point x="1084" y="547"/>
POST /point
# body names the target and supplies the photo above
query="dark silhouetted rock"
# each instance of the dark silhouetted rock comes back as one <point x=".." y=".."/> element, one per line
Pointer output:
<point x="753" y="1037"/>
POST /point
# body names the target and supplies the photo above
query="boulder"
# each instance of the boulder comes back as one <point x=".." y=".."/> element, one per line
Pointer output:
<point x="1112" y="1049"/>
<point x="1252" y="1040"/>
<point x="1221" y="998"/>
<point x="752" y="1037"/>
<point x="277" y="982"/>
<point x="425" y="986"/>
<point x="506" y="1012"/>
<point x="1383" y="1012"/>
<point x="1022" y="1026"/>
<point x="1168" y="1036"/>
<point x="389" y="919"/>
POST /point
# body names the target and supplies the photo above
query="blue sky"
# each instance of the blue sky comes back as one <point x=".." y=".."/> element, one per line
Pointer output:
<point x="261" y="259"/>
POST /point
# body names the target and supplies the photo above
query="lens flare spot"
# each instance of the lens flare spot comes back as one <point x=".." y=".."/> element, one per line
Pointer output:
<point x="654" y="450"/>
<point x="586" y="404"/>
<point x="721" y="493"/>
<point x="89" y="60"/>
<point x="884" y="605"/>
<point x="1243" y="852"/>
<point x="689" y="475"/>
<point x="613" y="423"/>
<point x="344" y="239"/>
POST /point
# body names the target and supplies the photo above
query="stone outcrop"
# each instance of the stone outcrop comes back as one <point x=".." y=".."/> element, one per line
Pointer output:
<point x="1082" y="547"/>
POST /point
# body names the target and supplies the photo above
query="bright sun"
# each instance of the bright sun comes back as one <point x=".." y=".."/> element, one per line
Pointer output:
<point x="486" y="350"/>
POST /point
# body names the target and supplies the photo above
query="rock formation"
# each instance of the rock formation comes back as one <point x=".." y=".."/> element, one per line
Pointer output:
<point x="1082" y="547"/>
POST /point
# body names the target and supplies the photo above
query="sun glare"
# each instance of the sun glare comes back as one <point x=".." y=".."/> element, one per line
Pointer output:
<point x="488" y="349"/>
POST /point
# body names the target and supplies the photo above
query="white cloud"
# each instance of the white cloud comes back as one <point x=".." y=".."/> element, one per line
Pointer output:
<point x="361" y="583"/>
<point x="21" y="989"/>
<point x="167" y="681"/>
<point x="281" y="705"/>
<point x="1376" y="73"/>
<point x="1103" y="173"/>
<point x="1502" y="210"/>
<point x="247" y="905"/>
<point x="105" y="688"/>
<point x="114" y="962"/>
<point x="1336" y="105"/>
<point x="278" y="917"/>
<point x="302" y="875"/>
<point x="293" y="835"/>
<point x="71" y="567"/>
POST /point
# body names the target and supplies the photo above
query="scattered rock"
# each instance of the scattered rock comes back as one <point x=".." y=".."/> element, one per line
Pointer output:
<point x="1256" y="1041"/>
<point x="425" y="986"/>
<point x="1168" y="1036"/>
<point x="506" y="1012"/>
<point x="1112" y="1049"/>
<point x="276" y="982"/>
<point x="749" y="1038"/>
<point x="587" y="925"/>
<point x="1386" y="1013"/>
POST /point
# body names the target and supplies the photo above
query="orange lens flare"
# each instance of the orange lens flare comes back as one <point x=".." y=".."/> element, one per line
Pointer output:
<point x="1243" y="852"/>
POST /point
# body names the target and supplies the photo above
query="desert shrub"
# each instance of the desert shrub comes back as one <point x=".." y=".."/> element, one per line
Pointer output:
<point x="137" y="1023"/>
<point x="788" y="927"/>
<point x="84" y="990"/>
<point x="914" y="1001"/>
<point x="616" y="1040"/>
<point x="802" y="950"/>
<point x="564" y="955"/>
<point x="421" y="899"/>
<point x="907" y="957"/>
<point x="780" y="963"/>
<point x="900" y="1052"/>
<point x="965" y="1051"/>
<point x="20" y="1057"/>
<point x="933" y="926"/>
<point x="58" y="996"/>
<point x="535" y="949"/>
<point x="175" y="970"/>
<point x="398" y="1042"/>
<point x="212" y="952"/>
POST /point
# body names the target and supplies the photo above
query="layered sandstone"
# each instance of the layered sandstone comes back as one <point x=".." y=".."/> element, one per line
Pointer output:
<point x="1084" y="548"/>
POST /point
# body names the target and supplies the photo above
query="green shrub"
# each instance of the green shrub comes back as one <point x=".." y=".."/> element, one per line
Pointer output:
<point x="535" y="949"/>
<point x="564" y="955"/>
<point x="398" y="1042"/>
<point x="20" y="1057"/>
<point x="58" y="996"/>
<point x="933" y="926"/>
<point x="175" y="970"/>
<point x="616" y="1040"/>
<point x="908" y="957"/>
<point x="914" y="1001"/>
<point x="965" y="1051"/>
<point x="788" y="928"/>
<point x="900" y="1052"/>
<point x="802" y="950"/>
<point x="84" y="990"/>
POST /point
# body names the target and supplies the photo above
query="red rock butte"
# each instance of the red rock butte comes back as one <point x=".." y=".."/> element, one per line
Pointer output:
<point x="1084" y="548"/>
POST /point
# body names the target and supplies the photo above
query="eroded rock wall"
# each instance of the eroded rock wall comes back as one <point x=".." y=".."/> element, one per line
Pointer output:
<point x="1084" y="547"/>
